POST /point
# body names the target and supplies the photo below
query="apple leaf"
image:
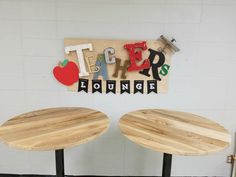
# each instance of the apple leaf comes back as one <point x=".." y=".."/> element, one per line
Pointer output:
<point x="64" y="63"/>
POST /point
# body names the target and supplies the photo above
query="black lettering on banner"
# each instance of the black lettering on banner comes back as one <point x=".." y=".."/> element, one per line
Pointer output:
<point x="154" y="66"/>
<point x="124" y="86"/>
<point x="111" y="86"/>
<point x="83" y="85"/>
<point x="97" y="86"/>
<point x="151" y="86"/>
<point x="138" y="86"/>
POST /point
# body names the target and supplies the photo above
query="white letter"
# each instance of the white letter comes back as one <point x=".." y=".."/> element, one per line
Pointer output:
<point x="109" y="59"/>
<point x="152" y="86"/>
<point x="82" y="85"/>
<point x="138" y="86"/>
<point x="79" y="51"/>
<point x="125" y="86"/>
<point x="96" y="86"/>
<point x="111" y="86"/>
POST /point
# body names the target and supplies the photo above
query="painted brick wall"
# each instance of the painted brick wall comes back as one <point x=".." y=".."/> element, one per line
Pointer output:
<point x="202" y="76"/>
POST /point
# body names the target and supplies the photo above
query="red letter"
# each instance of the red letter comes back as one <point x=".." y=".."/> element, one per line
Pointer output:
<point x="137" y="55"/>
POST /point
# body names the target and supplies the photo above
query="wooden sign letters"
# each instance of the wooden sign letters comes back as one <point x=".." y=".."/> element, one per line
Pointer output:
<point x="117" y="66"/>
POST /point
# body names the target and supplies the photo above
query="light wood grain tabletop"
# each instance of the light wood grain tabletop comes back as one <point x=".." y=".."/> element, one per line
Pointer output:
<point x="53" y="128"/>
<point x="174" y="132"/>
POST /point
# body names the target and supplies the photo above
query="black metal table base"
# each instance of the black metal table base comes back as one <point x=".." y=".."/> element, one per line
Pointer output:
<point x="60" y="163"/>
<point x="166" y="167"/>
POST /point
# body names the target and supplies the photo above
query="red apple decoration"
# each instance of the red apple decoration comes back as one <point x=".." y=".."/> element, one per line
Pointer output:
<point x="67" y="72"/>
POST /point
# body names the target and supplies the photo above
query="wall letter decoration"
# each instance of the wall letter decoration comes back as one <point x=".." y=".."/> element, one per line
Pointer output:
<point x="83" y="85"/>
<point x="101" y="63"/>
<point x="91" y="64"/>
<point x="137" y="55"/>
<point x="120" y="66"/>
<point x="151" y="86"/>
<point x="79" y="51"/>
<point x="109" y="55"/>
<point x="164" y="69"/>
<point x="154" y="66"/>
<point x="111" y="86"/>
<point x="124" y="86"/>
<point x="96" y="86"/>
<point x="67" y="72"/>
<point x="138" y="86"/>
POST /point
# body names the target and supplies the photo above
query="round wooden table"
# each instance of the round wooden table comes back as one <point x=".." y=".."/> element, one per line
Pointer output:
<point x="173" y="132"/>
<point x="54" y="129"/>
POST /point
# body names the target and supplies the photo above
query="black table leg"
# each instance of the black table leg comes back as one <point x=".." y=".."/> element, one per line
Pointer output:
<point x="166" y="167"/>
<point x="60" y="163"/>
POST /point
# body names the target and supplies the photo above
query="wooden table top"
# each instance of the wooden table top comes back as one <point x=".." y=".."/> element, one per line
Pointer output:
<point x="53" y="128"/>
<point x="174" y="132"/>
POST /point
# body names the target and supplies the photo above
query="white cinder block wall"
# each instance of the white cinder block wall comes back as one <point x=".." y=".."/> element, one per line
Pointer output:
<point x="202" y="78"/>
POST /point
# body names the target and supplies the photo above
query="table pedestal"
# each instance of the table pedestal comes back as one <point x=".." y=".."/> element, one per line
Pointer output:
<point x="166" y="167"/>
<point x="60" y="163"/>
